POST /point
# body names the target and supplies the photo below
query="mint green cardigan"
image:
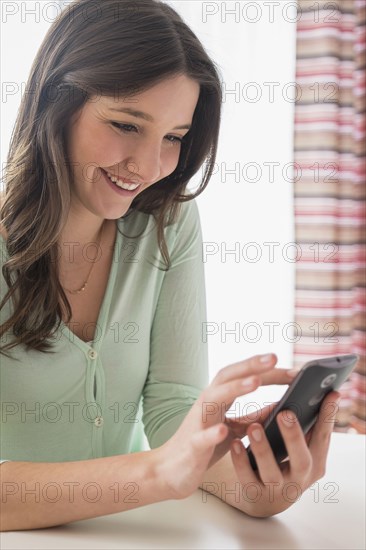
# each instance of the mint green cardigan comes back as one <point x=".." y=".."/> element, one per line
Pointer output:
<point x="83" y="400"/>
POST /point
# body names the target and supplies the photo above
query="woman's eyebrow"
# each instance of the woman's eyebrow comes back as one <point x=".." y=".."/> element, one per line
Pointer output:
<point x="145" y="116"/>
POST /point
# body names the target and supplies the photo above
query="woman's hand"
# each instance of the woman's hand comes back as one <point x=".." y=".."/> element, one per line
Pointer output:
<point x="204" y="436"/>
<point x="275" y="487"/>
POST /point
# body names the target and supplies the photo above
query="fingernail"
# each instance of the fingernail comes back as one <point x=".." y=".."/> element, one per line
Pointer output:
<point x="288" y="418"/>
<point x="237" y="447"/>
<point x="292" y="373"/>
<point x="257" y="435"/>
<point x="266" y="358"/>
<point x="249" y="382"/>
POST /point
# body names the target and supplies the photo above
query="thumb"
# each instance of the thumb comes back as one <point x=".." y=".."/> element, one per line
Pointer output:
<point x="206" y="440"/>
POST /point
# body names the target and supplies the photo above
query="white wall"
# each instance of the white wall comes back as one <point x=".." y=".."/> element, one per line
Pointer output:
<point x="253" y="44"/>
<point x="23" y="26"/>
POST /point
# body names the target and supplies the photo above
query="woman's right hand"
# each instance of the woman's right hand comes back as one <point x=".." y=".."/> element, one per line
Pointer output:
<point x="204" y="437"/>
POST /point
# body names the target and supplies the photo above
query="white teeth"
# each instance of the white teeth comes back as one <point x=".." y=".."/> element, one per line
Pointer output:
<point x="123" y="185"/>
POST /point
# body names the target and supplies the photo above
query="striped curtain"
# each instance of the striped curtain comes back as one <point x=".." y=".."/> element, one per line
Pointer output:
<point x="330" y="189"/>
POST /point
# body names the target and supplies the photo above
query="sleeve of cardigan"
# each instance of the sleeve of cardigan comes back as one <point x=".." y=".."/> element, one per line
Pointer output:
<point x="178" y="368"/>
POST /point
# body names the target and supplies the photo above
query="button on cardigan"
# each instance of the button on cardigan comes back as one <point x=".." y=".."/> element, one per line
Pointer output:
<point x="82" y="400"/>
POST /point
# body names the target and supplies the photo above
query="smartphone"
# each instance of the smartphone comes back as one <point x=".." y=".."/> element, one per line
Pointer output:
<point x="304" y="397"/>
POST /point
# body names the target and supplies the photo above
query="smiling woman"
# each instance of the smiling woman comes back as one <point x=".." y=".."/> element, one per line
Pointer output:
<point x="66" y="134"/>
<point x="127" y="97"/>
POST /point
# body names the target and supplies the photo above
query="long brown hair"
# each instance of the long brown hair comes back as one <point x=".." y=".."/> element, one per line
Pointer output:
<point x="92" y="47"/>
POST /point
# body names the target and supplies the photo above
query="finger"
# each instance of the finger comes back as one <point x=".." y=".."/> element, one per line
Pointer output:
<point x="217" y="400"/>
<point x="268" y="468"/>
<point x="259" y="415"/>
<point x="241" y="463"/>
<point x="298" y="452"/>
<point x="321" y="433"/>
<point x="278" y="376"/>
<point x="308" y="437"/>
<point x="251" y="366"/>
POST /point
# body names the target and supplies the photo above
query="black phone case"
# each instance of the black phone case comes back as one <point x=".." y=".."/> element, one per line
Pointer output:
<point x="304" y="397"/>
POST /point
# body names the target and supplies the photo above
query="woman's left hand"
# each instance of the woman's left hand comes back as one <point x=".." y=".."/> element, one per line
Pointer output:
<point x="274" y="488"/>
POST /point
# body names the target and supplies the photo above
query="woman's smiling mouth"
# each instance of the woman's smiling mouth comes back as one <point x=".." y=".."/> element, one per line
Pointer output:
<point x="120" y="185"/>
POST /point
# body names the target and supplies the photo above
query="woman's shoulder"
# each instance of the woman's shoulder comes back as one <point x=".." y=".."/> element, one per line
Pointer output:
<point x="188" y="217"/>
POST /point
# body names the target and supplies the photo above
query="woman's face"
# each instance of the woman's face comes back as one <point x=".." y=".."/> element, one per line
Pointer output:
<point x="140" y="148"/>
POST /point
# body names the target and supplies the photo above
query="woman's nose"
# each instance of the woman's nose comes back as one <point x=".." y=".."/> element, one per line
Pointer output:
<point x="145" y="164"/>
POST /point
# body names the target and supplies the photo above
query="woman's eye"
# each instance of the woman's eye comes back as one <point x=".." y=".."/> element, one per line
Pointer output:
<point x="128" y="128"/>
<point x="174" y="139"/>
<point x="124" y="127"/>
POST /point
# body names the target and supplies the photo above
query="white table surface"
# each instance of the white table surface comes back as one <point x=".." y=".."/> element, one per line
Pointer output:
<point x="330" y="517"/>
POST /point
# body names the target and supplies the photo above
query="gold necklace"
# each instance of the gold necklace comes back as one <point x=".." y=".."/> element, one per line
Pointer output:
<point x="91" y="269"/>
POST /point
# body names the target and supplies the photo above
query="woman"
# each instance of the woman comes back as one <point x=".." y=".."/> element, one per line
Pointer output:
<point x="103" y="295"/>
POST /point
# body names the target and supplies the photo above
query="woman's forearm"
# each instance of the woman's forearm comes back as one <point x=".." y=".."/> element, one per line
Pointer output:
<point x="36" y="495"/>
